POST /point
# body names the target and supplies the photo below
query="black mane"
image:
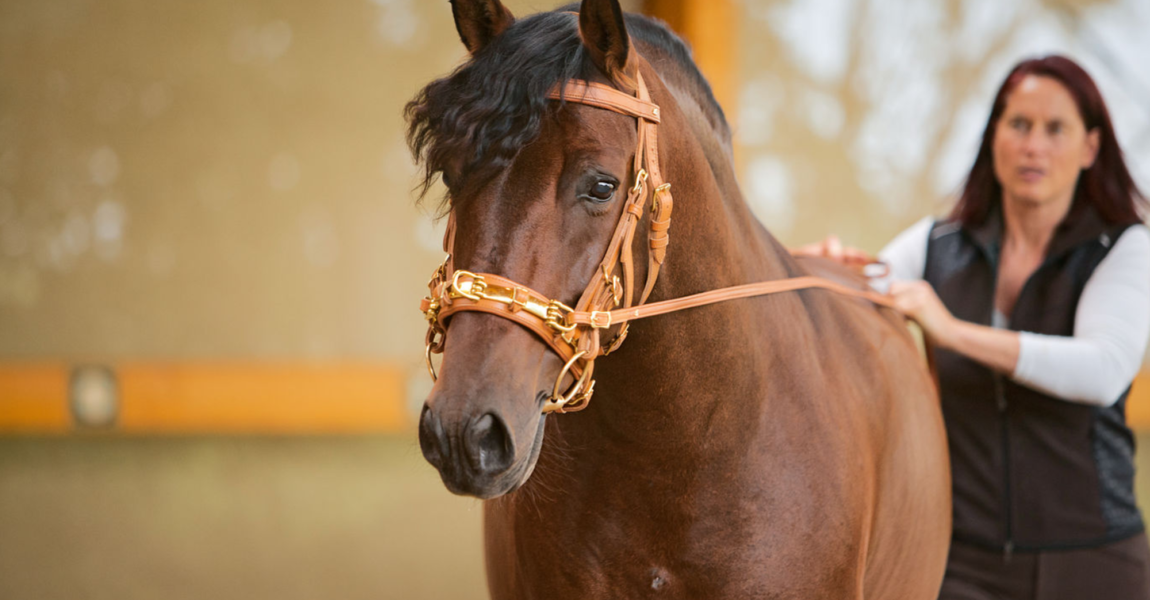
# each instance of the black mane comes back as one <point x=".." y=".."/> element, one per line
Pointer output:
<point x="480" y="116"/>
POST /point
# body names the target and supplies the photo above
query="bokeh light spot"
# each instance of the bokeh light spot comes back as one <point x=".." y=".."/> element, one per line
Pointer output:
<point x="283" y="172"/>
<point x="104" y="166"/>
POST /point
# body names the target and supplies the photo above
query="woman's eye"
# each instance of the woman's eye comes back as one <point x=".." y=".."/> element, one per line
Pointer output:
<point x="602" y="191"/>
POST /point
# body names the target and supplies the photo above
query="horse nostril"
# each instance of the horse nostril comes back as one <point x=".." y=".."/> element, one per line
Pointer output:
<point x="431" y="438"/>
<point x="489" y="444"/>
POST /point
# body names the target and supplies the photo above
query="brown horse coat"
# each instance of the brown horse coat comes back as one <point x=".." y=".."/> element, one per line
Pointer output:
<point x="788" y="446"/>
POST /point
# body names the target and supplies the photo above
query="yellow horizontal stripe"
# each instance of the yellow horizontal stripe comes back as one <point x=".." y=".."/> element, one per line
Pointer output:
<point x="256" y="398"/>
<point x="34" y="398"/>
<point x="210" y="397"/>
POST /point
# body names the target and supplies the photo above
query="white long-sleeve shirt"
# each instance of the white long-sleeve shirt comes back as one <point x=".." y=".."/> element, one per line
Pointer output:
<point x="1111" y="326"/>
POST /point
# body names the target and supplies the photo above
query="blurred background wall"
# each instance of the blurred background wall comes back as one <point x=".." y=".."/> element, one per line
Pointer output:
<point x="210" y="257"/>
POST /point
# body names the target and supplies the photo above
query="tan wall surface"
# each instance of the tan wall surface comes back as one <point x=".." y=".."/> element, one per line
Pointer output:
<point x="229" y="180"/>
<point x="214" y="179"/>
<point x="343" y="518"/>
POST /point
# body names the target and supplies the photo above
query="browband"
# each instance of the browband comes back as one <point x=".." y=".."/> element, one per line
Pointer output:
<point x="604" y="96"/>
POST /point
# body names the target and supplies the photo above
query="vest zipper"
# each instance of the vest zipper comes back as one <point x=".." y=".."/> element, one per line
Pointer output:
<point x="1000" y="398"/>
<point x="1000" y="401"/>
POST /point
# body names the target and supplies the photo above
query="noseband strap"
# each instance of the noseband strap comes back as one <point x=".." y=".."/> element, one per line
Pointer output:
<point x="607" y="302"/>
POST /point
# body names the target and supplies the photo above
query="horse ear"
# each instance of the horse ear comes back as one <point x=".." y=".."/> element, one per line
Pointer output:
<point x="605" y="36"/>
<point x="480" y="21"/>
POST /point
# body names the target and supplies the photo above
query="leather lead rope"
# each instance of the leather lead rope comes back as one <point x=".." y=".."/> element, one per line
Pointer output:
<point x="764" y="288"/>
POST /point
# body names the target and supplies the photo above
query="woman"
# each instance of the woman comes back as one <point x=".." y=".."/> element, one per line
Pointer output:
<point x="1036" y="291"/>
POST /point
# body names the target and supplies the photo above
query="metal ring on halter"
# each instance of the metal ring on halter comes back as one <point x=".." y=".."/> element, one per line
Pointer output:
<point x="430" y="367"/>
<point x="435" y="340"/>
<point x="556" y="402"/>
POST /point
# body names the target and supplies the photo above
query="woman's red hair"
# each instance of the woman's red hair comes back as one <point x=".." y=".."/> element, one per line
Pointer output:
<point x="1106" y="185"/>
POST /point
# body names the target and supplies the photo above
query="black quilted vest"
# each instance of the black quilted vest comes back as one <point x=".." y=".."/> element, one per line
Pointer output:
<point x="1030" y="472"/>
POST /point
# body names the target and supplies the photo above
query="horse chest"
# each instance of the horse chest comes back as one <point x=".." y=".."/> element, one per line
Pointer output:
<point x="720" y="547"/>
<point x="637" y="575"/>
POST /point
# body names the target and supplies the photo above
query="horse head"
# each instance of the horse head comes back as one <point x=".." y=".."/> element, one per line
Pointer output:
<point x="536" y="189"/>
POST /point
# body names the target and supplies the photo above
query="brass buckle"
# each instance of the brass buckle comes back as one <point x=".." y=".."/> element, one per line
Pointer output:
<point x="655" y="197"/>
<point x="600" y="314"/>
<point x="556" y="319"/>
<point x="475" y="290"/>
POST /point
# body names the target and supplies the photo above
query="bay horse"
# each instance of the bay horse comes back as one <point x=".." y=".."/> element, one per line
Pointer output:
<point x="783" y="446"/>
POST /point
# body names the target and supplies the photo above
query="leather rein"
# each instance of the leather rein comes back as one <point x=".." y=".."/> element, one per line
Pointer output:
<point x="577" y="334"/>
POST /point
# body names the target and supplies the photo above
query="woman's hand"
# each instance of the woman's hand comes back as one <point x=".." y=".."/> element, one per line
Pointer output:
<point x="833" y="249"/>
<point x="917" y="300"/>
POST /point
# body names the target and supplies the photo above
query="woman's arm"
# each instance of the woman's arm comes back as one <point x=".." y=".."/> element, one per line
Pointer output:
<point x="1094" y="366"/>
<point x="906" y="256"/>
<point x="1111" y="328"/>
<point x="998" y="349"/>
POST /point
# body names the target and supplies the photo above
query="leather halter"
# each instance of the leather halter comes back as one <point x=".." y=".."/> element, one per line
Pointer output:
<point x="575" y="333"/>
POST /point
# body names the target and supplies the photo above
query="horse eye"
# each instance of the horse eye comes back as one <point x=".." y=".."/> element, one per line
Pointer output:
<point x="602" y="191"/>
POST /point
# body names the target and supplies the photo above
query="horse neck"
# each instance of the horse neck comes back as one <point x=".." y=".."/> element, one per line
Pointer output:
<point x="713" y="226"/>
<point x="716" y="241"/>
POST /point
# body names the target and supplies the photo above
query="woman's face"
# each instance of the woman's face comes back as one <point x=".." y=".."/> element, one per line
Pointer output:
<point x="1041" y="143"/>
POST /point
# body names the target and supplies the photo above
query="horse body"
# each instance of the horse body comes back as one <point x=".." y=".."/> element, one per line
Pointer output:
<point x="744" y="450"/>
<point x="759" y="462"/>
<point x="789" y="446"/>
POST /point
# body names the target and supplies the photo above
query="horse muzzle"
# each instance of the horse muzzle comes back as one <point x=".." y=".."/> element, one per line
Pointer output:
<point x="475" y="456"/>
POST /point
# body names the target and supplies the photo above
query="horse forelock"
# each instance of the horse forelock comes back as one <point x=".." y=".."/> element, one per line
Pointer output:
<point x="475" y="121"/>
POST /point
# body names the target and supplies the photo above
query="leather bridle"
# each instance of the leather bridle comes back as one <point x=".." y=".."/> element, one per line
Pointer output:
<point x="575" y="333"/>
